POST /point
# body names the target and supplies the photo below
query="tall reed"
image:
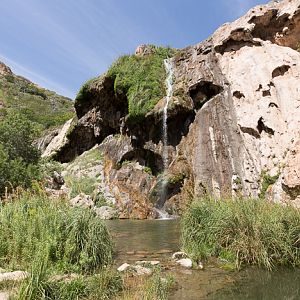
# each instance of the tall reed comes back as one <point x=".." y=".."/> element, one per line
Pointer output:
<point x="245" y="231"/>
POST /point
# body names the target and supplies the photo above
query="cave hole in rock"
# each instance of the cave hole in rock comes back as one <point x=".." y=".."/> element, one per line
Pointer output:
<point x="178" y="127"/>
<point x="203" y="91"/>
<point x="280" y="71"/>
<point x="235" y="45"/>
<point x="266" y="93"/>
<point x="262" y="127"/>
<point x="171" y="189"/>
<point x="151" y="130"/>
<point x="259" y="88"/>
<point x="164" y="190"/>
<point x="145" y="158"/>
<point x="267" y="25"/>
<point x="238" y="94"/>
<point x="272" y="104"/>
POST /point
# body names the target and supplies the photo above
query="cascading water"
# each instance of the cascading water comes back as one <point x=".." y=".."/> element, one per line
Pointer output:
<point x="169" y="85"/>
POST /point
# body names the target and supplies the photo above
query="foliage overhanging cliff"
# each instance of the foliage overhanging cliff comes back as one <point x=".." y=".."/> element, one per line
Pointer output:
<point x="140" y="78"/>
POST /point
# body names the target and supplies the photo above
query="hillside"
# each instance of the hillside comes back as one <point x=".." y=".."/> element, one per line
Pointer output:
<point x="38" y="104"/>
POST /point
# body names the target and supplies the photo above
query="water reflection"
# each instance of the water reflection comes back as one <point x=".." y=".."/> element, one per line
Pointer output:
<point x="258" y="284"/>
<point x="157" y="239"/>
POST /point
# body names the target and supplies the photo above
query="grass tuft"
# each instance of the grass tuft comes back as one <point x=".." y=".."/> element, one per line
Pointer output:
<point x="244" y="231"/>
<point x="73" y="239"/>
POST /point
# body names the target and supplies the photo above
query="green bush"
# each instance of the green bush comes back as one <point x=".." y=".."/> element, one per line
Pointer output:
<point x="85" y="185"/>
<point x="246" y="231"/>
<point x="73" y="239"/>
<point x="19" y="159"/>
<point x="266" y="181"/>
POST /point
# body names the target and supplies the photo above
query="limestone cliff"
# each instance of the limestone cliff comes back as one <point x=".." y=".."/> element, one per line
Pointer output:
<point x="233" y="121"/>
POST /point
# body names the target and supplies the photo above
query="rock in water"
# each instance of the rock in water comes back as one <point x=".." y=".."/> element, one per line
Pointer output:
<point x="106" y="212"/>
<point x="179" y="255"/>
<point x="185" y="262"/>
<point x="123" y="267"/>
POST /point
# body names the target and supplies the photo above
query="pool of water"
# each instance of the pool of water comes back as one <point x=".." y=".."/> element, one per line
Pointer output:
<point x="158" y="239"/>
<point x="136" y="239"/>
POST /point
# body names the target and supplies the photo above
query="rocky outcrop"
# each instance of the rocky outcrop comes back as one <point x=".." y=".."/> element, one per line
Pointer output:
<point x="251" y="112"/>
<point x="55" y="140"/>
<point x="233" y="117"/>
<point x="5" y="70"/>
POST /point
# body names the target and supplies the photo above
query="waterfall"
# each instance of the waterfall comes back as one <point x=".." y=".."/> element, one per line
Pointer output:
<point x="169" y="87"/>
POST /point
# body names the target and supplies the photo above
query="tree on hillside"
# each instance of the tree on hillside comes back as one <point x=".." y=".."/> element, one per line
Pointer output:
<point x="19" y="158"/>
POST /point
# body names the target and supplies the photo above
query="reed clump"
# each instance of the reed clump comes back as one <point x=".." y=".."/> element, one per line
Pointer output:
<point x="243" y="231"/>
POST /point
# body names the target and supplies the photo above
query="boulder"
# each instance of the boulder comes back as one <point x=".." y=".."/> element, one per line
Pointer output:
<point x="82" y="200"/>
<point x="13" y="276"/>
<point x="179" y="255"/>
<point x="123" y="267"/>
<point x="185" y="262"/>
<point x="140" y="271"/>
<point x="58" y="141"/>
<point x="143" y="50"/>
<point x="106" y="212"/>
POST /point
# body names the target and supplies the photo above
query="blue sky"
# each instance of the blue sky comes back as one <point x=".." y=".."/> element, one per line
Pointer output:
<point x="59" y="44"/>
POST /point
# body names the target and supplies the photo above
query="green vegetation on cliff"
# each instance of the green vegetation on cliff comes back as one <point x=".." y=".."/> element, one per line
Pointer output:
<point x="243" y="231"/>
<point x="140" y="77"/>
<point x="39" y="105"/>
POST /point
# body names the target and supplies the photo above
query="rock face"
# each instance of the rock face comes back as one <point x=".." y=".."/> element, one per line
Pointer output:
<point x="234" y="116"/>
<point x="250" y="125"/>
<point x="4" y="69"/>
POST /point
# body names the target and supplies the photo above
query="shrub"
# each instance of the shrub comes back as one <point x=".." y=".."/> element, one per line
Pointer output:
<point x="85" y="185"/>
<point x="247" y="231"/>
<point x="73" y="239"/>
<point x="266" y="181"/>
<point x="19" y="159"/>
<point x="17" y="135"/>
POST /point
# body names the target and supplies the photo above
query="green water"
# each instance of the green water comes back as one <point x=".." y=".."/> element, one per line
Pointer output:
<point x="155" y="239"/>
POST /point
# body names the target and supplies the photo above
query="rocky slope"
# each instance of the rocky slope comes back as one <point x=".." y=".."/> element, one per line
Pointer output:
<point x="42" y="106"/>
<point x="233" y="120"/>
